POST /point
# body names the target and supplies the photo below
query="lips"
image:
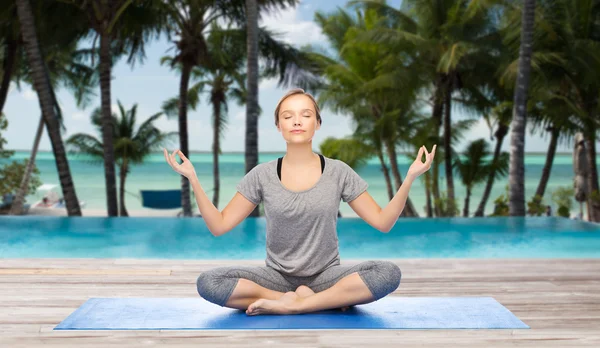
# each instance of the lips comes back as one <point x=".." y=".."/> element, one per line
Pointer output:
<point x="297" y="131"/>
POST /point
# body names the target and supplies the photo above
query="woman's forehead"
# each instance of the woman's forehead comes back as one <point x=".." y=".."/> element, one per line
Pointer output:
<point x="297" y="102"/>
<point x="303" y="109"/>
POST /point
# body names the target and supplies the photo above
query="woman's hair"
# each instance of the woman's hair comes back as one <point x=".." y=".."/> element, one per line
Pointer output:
<point x="292" y="92"/>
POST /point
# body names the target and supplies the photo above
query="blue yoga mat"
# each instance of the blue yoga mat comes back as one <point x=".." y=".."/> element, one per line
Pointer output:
<point x="199" y="314"/>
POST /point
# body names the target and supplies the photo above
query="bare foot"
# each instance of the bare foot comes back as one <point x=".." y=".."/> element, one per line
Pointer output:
<point x="264" y="306"/>
<point x="305" y="291"/>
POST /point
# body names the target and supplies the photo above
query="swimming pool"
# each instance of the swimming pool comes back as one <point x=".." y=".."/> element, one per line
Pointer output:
<point x="171" y="238"/>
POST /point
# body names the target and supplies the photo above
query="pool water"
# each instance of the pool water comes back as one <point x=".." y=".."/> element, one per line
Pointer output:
<point x="172" y="238"/>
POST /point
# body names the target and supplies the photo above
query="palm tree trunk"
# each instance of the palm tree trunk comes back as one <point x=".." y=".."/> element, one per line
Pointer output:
<point x="541" y="189"/>
<point x="251" y="152"/>
<point x="436" y="114"/>
<point x="17" y="206"/>
<point x="516" y="203"/>
<point x="447" y="148"/>
<point x="216" y="101"/>
<point x="8" y="64"/>
<point x="183" y="135"/>
<point x="435" y="188"/>
<point x="107" y="126"/>
<point x="409" y="209"/>
<point x="428" y="203"/>
<point x="122" y="177"/>
<point x="386" y="174"/>
<point x="593" y="204"/>
<point x="44" y="90"/>
<point x="500" y="134"/>
<point x="467" y="201"/>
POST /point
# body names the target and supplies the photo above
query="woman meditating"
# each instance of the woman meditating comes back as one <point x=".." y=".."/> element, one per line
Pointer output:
<point x="301" y="192"/>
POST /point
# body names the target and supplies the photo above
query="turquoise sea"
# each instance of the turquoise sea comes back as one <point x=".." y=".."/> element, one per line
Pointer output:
<point x="155" y="173"/>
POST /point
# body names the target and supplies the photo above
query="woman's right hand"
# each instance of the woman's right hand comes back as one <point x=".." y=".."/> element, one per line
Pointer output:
<point x="185" y="168"/>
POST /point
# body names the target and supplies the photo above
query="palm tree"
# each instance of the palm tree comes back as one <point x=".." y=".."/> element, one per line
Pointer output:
<point x="474" y="169"/>
<point x="454" y="43"/>
<point x="355" y="81"/>
<point x="562" y="125"/>
<point x="500" y="117"/>
<point x="517" y="156"/>
<point x="252" y="112"/>
<point x="123" y="26"/>
<point x="224" y="80"/>
<point x="132" y="145"/>
<point x="570" y="28"/>
<point x="65" y="67"/>
<point x="9" y="45"/>
<point x="48" y="104"/>
<point x="191" y="21"/>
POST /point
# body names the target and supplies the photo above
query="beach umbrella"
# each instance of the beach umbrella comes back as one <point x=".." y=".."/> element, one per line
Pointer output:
<point x="580" y="168"/>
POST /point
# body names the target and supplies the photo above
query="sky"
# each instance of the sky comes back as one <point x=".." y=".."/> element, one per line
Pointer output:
<point x="149" y="84"/>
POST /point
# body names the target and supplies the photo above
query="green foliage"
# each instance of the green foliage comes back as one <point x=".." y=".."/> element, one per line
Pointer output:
<point x="564" y="211"/>
<point x="11" y="175"/>
<point x="536" y="207"/>
<point x="447" y="207"/>
<point x="595" y="196"/>
<point x="563" y="197"/>
<point x="351" y="151"/>
<point x="501" y="206"/>
<point x="3" y="126"/>
<point x="131" y="145"/>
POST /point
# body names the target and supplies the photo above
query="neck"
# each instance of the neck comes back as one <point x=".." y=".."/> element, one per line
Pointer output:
<point x="300" y="155"/>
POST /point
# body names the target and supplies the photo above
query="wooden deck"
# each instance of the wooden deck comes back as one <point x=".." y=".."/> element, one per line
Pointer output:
<point x="558" y="298"/>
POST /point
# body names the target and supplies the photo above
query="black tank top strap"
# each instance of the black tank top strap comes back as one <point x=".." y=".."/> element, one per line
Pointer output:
<point x="280" y="160"/>
<point x="322" y="163"/>
<point x="279" y="167"/>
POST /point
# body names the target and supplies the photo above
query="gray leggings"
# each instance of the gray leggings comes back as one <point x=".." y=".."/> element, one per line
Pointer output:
<point x="217" y="285"/>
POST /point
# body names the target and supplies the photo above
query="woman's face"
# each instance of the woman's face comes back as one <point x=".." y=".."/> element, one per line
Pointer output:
<point x="297" y="113"/>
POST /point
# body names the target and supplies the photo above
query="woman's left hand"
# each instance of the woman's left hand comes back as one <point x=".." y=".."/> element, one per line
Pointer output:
<point x="418" y="167"/>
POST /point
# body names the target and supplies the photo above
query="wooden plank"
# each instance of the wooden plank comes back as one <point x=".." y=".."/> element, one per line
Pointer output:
<point x="558" y="298"/>
<point x="75" y="271"/>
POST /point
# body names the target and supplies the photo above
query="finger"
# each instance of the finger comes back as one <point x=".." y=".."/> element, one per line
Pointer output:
<point x="182" y="156"/>
<point x="426" y="153"/>
<point x="420" y="154"/>
<point x="166" y="153"/>
<point x="173" y="158"/>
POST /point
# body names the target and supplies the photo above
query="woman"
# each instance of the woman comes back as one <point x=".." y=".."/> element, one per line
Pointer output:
<point x="301" y="193"/>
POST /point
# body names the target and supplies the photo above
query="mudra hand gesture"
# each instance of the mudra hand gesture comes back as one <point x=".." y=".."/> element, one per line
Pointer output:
<point x="418" y="167"/>
<point x="185" y="168"/>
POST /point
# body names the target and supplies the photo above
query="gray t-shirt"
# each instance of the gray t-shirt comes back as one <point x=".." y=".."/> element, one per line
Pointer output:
<point x="301" y="226"/>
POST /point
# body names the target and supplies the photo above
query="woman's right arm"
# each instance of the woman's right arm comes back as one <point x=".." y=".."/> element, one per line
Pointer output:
<point x="218" y="222"/>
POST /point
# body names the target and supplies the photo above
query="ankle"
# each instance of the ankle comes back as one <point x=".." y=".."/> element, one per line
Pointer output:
<point x="296" y="306"/>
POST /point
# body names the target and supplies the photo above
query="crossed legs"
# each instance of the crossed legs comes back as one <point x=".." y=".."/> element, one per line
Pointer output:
<point x="261" y="290"/>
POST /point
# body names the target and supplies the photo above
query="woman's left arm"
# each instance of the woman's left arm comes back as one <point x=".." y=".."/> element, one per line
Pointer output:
<point x="384" y="219"/>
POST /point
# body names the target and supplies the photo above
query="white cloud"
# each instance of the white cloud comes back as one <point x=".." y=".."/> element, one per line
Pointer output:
<point x="78" y="115"/>
<point x="115" y="108"/>
<point x="29" y="94"/>
<point x="293" y="30"/>
<point x="268" y="83"/>
<point x="240" y="115"/>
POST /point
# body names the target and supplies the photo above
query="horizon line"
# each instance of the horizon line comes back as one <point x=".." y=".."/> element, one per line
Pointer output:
<point x="241" y="152"/>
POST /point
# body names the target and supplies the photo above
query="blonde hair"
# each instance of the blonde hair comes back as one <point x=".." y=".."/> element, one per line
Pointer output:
<point x="292" y="92"/>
